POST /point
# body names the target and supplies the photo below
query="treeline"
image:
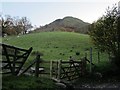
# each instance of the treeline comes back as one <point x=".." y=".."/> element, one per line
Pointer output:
<point x="14" y="25"/>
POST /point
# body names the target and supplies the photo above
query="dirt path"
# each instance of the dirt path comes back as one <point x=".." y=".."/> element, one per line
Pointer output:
<point x="111" y="86"/>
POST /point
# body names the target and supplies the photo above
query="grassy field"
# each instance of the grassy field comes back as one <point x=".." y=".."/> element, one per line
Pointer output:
<point x="56" y="45"/>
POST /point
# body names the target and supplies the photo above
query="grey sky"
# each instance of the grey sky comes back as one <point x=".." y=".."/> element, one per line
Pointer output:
<point x="43" y="12"/>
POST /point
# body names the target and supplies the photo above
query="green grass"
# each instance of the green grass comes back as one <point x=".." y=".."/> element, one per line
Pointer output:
<point x="55" y="45"/>
<point x="27" y="83"/>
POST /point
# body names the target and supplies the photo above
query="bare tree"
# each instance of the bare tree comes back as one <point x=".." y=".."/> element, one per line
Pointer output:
<point x="25" y="24"/>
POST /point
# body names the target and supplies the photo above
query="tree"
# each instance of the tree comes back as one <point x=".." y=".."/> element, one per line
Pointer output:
<point x="14" y="25"/>
<point x="7" y="25"/>
<point x="25" y="24"/>
<point x="17" y="25"/>
<point x="105" y="33"/>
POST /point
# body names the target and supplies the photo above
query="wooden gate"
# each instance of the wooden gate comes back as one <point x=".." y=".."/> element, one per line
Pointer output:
<point x="67" y="70"/>
<point x="13" y="58"/>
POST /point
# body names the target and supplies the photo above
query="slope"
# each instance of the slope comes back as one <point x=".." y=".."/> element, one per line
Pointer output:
<point x="55" y="45"/>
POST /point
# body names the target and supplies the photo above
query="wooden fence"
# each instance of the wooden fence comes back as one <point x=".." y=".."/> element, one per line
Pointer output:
<point x="67" y="70"/>
<point x="14" y="59"/>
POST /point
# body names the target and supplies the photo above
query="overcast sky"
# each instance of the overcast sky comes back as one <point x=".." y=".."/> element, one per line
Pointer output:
<point x="41" y="12"/>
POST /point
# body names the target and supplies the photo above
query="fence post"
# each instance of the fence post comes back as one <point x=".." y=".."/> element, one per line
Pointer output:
<point x="59" y="69"/>
<point x="98" y="57"/>
<point x="90" y="59"/>
<point x="51" y="67"/>
<point x="37" y="65"/>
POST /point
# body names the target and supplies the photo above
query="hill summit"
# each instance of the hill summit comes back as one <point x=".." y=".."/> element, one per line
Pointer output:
<point x="68" y="24"/>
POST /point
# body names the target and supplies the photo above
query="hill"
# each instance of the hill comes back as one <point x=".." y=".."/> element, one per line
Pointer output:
<point x="69" y="24"/>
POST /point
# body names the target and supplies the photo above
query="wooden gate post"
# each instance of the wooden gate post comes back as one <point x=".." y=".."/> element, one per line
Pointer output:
<point x="98" y="57"/>
<point x="37" y="65"/>
<point x="51" y="68"/>
<point x="90" y="59"/>
<point x="59" y="69"/>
